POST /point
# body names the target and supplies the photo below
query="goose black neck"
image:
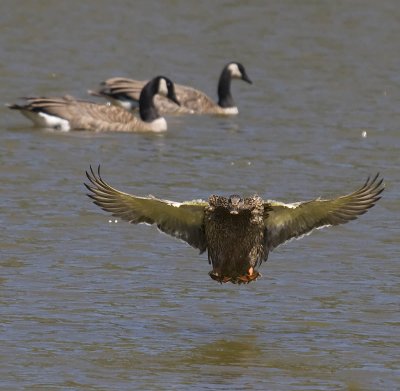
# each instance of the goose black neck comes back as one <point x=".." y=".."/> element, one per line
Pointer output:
<point x="147" y="109"/>
<point x="225" y="98"/>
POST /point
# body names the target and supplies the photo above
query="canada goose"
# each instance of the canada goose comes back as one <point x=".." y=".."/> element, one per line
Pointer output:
<point x="238" y="233"/>
<point x="67" y="113"/>
<point x="125" y="92"/>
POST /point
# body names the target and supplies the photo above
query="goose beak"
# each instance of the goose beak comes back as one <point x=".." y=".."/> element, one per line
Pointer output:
<point x="172" y="96"/>
<point x="246" y="78"/>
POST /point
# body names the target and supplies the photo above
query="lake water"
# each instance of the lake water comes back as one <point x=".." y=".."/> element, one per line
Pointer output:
<point x="91" y="305"/>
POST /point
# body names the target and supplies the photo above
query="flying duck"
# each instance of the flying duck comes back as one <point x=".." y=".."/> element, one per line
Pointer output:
<point x="68" y="113"/>
<point x="125" y="92"/>
<point x="237" y="232"/>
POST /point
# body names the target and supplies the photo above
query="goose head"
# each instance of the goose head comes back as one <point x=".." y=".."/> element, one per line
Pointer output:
<point x="159" y="85"/>
<point x="163" y="86"/>
<point x="237" y="71"/>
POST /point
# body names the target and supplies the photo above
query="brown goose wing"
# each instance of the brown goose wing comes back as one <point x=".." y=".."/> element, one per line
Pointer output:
<point x="83" y="114"/>
<point x="66" y="107"/>
<point x="287" y="221"/>
<point x="191" y="100"/>
<point x="92" y="116"/>
<point x="119" y="86"/>
<point x="181" y="220"/>
<point x="194" y="100"/>
<point x="53" y="105"/>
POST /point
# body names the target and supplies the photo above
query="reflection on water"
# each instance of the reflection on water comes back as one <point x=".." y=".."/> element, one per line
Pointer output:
<point x="88" y="304"/>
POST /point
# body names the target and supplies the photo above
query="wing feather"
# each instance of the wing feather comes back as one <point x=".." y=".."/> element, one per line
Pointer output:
<point x="286" y="221"/>
<point x="181" y="220"/>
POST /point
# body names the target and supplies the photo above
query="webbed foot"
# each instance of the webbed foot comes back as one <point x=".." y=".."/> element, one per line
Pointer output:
<point x="243" y="279"/>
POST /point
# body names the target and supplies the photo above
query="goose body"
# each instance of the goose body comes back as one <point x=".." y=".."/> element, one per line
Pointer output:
<point x="67" y="113"/>
<point x="238" y="233"/>
<point x="125" y="93"/>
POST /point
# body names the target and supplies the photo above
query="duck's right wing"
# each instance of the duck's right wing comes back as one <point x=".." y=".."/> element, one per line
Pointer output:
<point x="181" y="220"/>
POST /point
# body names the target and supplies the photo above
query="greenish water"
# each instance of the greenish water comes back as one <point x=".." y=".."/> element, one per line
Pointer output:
<point x="91" y="305"/>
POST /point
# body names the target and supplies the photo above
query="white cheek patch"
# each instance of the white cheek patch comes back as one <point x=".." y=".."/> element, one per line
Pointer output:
<point x="162" y="87"/>
<point x="234" y="70"/>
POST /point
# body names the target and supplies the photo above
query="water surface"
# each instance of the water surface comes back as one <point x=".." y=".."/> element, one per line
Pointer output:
<point x="88" y="304"/>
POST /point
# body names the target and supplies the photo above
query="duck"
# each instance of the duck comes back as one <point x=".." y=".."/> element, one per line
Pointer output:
<point x="67" y="113"/>
<point x="124" y="92"/>
<point x="238" y="233"/>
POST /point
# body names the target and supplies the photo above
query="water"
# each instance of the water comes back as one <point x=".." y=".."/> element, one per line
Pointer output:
<point x="92" y="305"/>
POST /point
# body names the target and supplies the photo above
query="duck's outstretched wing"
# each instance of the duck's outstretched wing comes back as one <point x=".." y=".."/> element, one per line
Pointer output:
<point x="286" y="221"/>
<point x="181" y="220"/>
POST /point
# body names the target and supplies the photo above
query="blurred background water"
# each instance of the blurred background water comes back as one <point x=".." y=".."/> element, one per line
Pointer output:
<point x="92" y="305"/>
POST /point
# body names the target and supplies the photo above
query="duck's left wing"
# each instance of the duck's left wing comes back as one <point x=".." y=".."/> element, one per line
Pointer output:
<point x="286" y="221"/>
<point x="181" y="220"/>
